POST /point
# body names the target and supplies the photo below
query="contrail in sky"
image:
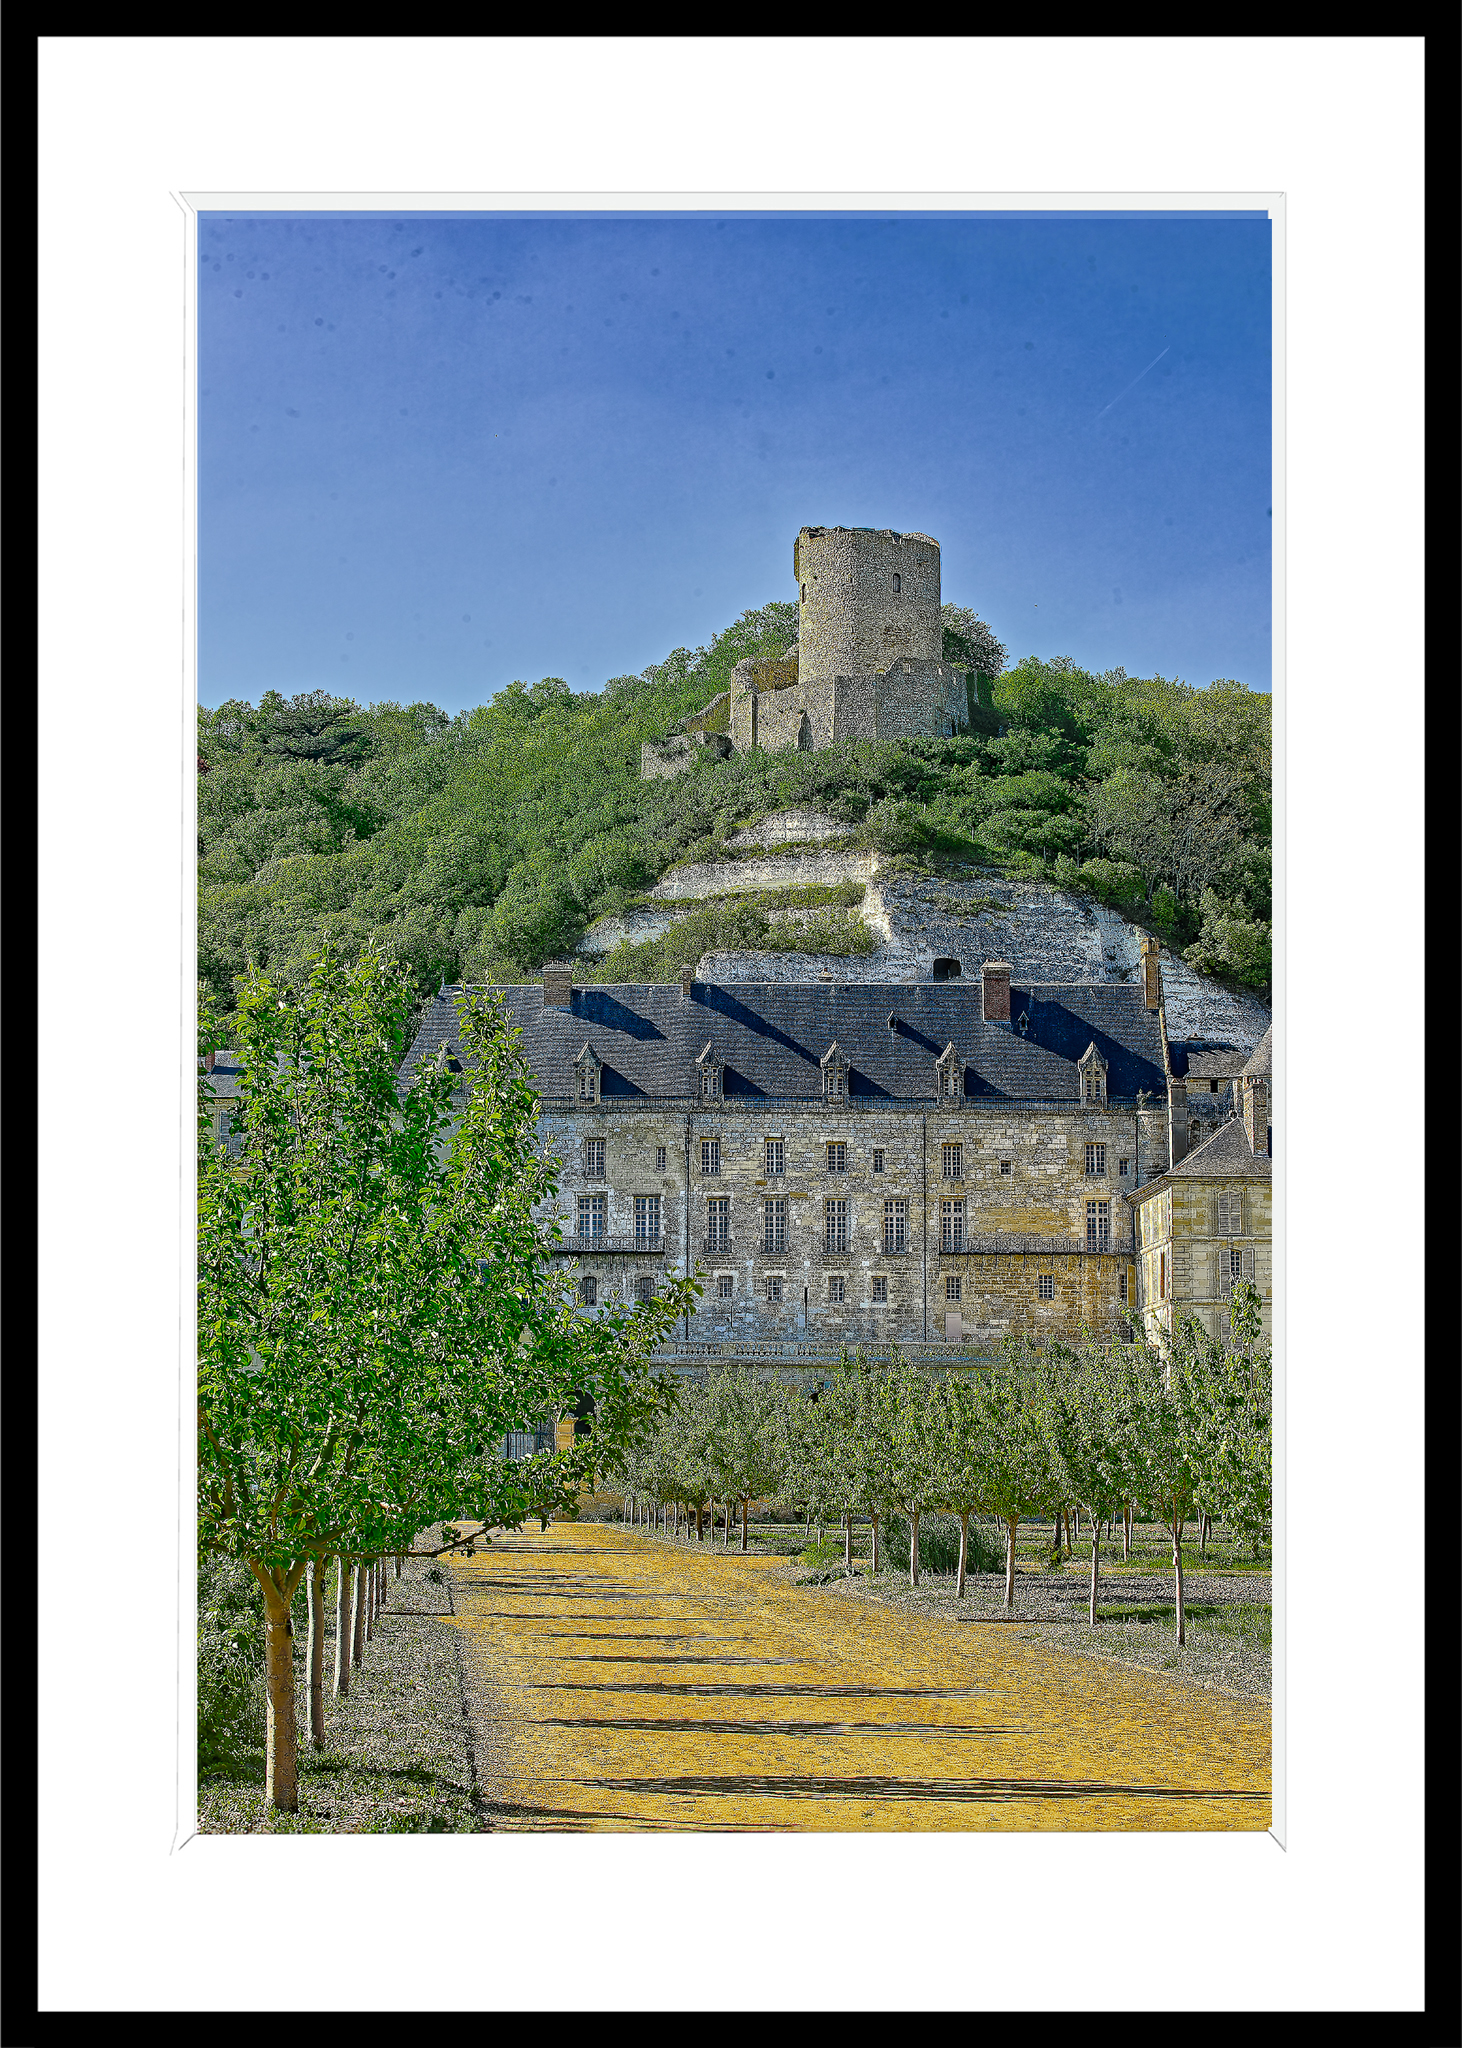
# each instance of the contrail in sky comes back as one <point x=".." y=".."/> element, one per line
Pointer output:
<point x="1136" y="380"/>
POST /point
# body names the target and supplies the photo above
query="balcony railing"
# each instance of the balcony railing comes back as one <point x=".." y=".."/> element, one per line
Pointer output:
<point x="605" y="1244"/>
<point x="716" y="1241"/>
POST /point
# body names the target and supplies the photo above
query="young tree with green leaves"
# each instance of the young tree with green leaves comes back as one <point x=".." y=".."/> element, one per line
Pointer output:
<point x="909" y="1435"/>
<point x="376" y="1305"/>
<point x="959" y="1427"/>
<point x="744" y="1446"/>
<point x="1086" y="1415"/>
<point x="1166" y="1442"/>
<point x="1019" y="1479"/>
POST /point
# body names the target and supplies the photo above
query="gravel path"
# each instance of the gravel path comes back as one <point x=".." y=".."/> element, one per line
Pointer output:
<point x="618" y="1682"/>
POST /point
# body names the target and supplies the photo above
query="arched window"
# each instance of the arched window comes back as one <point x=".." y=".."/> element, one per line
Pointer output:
<point x="898" y="583"/>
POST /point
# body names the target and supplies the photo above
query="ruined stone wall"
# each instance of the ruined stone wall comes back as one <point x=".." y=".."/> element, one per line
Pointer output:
<point x="920" y="699"/>
<point x="864" y="599"/>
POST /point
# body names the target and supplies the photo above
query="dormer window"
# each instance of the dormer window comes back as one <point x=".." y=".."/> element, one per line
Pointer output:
<point x="949" y="1076"/>
<point x="1091" y="1076"/>
<point x="713" y="1075"/>
<point x="588" y="1070"/>
<point x="834" y="1075"/>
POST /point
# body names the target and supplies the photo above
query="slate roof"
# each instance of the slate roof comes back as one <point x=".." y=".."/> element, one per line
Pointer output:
<point x="224" y="1076"/>
<point x="1224" y="1156"/>
<point x="1262" y="1062"/>
<point x="771" y="1037"/>
<point x="1212" y="1063"/>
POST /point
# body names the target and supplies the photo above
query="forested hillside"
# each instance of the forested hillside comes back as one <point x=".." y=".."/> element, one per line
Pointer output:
<point x="482" y="844"/>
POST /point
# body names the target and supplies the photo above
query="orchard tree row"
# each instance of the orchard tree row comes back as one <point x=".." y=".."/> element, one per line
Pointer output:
<point x="1105" y="1428"/>
<point x="377" y="1312"/>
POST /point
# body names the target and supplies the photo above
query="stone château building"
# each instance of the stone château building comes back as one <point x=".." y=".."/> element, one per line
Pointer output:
<point x="868" y="663"/>
<point x="929" y="1165"/>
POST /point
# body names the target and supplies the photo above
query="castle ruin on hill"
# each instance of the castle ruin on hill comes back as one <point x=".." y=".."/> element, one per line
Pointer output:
<point x="868" y="663"/>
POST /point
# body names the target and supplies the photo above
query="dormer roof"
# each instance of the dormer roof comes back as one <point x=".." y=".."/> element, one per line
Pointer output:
<point x="1092" y="1057"/>
<point x="834" y="1056"/>
<point x="587" y="1057"/>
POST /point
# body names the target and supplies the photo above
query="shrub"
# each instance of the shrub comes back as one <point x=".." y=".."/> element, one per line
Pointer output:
<point x="1112" y="882"/>
<point x="939" y="1546"/>
<point x="230" y="1663"/>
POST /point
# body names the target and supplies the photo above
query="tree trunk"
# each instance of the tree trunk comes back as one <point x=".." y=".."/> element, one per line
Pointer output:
<point x="873" y="1552"/>
<point x="1010" y="1527"/>
<point x="1067" y="1514"/>
<point x="398" y="1564"/>
<point x="342" y="1630"/>
<point x="964" y="1544"/>
<point x="281" y="1761"/>
<point x="848" y="1544"/>
<point x="913" y="1546"/>
<point x="745" y="1509"/>
<point x="1096" y="1544"/>
<point x="1126" y="1529"/>
<point x="1056" y="1532"/>
<point x="316" y="1661"/>
<point x="382" y="1580"/>
<point x="726" y="1523"/>
<point x="357" y="1616"/>
<point x="370" y="1599"/>
<point x="1178" y="1574"/>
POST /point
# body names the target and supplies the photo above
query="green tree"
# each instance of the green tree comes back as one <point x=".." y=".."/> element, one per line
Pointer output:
<point x="1019" y="1479"/>
<point x="744" y="1438"/>
<point x="376" y="1308"/>
<point x="908" y="1431"/>
<point x="1167" y="1437"/>
<point x="1086" y="1412"/>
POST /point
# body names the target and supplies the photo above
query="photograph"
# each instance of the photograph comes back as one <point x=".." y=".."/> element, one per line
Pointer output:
<point x="736" y="973"/>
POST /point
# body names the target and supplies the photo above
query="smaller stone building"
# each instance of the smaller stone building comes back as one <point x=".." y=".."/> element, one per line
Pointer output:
<point x="1200" y="1226"/>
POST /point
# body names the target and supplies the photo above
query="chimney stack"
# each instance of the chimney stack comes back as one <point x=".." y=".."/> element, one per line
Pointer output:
<point x="995" y="991"/>
<point x="1151" y="986"/>
<point x="558" y="985"/>
<point x="1256" y="1112"/>
<point x="687" y="980"/>
<point x="208" y="1059"/>
<point x="1177" y="1120"/>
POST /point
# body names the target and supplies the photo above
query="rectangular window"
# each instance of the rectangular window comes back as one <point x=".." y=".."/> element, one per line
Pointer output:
<point x="776" y="1225"/>
<point x="1098" y="1226"/>
<point x="880" y="1287"/>
<point x="591" y="1215"/>
<point x="836" y="1288"/>
<point x="951" y="1287"/>
<point x="835" y="1227"/>
<point x="1122" y="1165"/>
<point x="895" y="1226"/>
<point x="1235" y="1263"/>
<point x="878" y="1159"/>
<point x="659" y="1159"/>
<point x="837" y="1158"/>
<point x="774" y="1286"/>
<point x="1122" y="1286"/>
<point x="953" y="1162"/>
<point x="834" y="1084"/>
<point x="1093" y="1084"/>
<point x="952" y="1226"/>
<point x="589" y="1291"/>
<point x="952" y="1077"/>
<point x="718" y="1222"/>
<point x="586" y="1084"/>
<point x="710" y="1082"/>
<point x="1096" y="1158"/>
<point x="723" y="1287"/>
<point x="593" y="1158"/>
<point x="1005" y="1168"/>
<point x="647" y="1219"/>
<point x="644" y="1287"/>
<point x="710" y="1155"/>
<point x="1046" y="1286"/>
<point x="776" y="1157"/>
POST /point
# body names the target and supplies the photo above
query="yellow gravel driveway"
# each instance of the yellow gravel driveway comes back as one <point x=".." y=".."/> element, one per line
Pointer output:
<point x="618" y="1682"/>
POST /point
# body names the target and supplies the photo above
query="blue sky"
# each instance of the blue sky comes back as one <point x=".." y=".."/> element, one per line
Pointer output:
<point x="440" y="452"/>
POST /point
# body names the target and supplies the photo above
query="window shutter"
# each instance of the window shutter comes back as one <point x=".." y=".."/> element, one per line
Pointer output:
<point x="1249" y="1264"/>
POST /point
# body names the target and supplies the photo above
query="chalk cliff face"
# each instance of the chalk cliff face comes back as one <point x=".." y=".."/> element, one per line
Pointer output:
<point x="1045" y="933"/>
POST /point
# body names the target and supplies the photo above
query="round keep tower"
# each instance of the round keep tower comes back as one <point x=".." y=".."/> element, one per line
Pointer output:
<point x="864" y="599"/>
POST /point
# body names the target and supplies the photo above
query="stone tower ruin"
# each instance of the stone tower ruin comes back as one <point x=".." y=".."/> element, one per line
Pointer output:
<point x="868" y="665"/>
<point x="864" y="600"/>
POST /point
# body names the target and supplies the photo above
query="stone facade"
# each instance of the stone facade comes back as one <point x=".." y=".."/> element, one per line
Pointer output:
<point x="1205" y="1223"/>
<point x="801" y="1153"/>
